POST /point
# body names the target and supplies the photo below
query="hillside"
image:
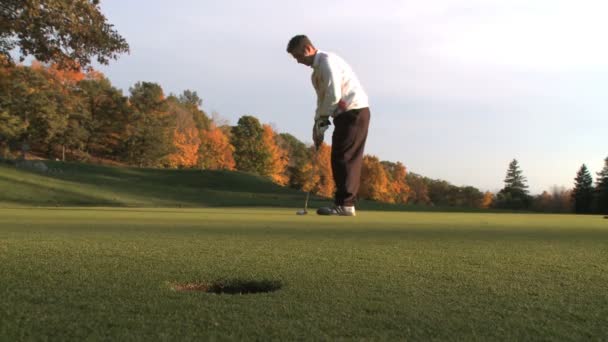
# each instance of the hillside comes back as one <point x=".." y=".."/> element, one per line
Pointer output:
<point x="76" y="184"/>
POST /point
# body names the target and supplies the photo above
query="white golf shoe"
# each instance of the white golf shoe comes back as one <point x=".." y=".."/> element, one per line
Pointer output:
<point x="337" y="210"/>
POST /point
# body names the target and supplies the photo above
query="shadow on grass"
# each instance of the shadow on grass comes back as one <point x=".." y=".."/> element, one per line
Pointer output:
<point x="145" y="187"/>
<point x="128" y="187"/>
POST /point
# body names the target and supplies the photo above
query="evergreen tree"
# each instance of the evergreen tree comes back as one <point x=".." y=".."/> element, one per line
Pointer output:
<point x="601" y="189"/>
<point x="299" y="157"/>
<point x="515" y="193"/>
<point x="419" y="191"/>
<point x="582" y="195"/>
<point x="193" y="102"/>
<point x="150" y="139"/>
<point x="110" y="116"/>
<point x="250" y="154"/>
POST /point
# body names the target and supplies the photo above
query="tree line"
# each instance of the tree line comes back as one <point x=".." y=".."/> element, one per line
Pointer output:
<point x="57" y="110"/>
<point x="76" y="115"/>
<point x="583" y="198"/>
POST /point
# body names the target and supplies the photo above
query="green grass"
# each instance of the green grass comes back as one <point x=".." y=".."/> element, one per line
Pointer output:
<point x="77" y="184"/>
<point x="106" y="274"/>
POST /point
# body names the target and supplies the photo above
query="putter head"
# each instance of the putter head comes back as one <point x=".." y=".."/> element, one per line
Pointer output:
<point x="301" y="212"/>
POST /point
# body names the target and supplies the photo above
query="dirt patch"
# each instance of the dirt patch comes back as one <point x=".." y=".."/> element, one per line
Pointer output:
<point x="231" y="286"/>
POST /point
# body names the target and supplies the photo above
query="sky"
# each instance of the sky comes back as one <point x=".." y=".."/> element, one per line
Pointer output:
<point x="457" y="88"/>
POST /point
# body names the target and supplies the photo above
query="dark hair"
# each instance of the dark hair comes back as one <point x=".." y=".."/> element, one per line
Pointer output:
<point x="296" y="41"/>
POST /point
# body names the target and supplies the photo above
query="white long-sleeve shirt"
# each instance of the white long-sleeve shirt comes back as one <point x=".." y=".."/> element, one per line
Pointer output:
<point x="338" y="88"/>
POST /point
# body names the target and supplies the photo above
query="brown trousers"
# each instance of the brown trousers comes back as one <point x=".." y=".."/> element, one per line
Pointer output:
<point x="347" y="144"/>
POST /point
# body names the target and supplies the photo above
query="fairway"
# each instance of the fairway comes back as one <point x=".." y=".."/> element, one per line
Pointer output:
<point x="107" y="274"/>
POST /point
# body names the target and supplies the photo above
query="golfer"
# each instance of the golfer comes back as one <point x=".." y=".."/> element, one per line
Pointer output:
<point x="341" y="97"/>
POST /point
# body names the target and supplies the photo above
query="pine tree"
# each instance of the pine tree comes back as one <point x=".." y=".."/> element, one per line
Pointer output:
<point x="515" y="193"/>
<point x="150" y="136"/>
<point x="582" y="195"/>
<point x="110" y="116"/>
<point x="249" y="152"/>
<point x="601" y="189"/>
<point x="298" y="157"/>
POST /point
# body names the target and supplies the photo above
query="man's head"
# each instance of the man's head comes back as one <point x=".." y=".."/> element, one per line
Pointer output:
<point x="302" y="49"/>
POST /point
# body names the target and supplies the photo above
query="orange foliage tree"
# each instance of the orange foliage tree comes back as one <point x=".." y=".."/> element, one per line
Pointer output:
<point x="185" y="138"/>
<point x="321" y="182"/>
<point x="187" y="143"/>
<point x="375" y="184"/>
<point x="215" y="150"/>
<point x="66" y="76"/>
<point x="326" y="186"/>
<point x="398" y="188"/>
<point x="276" y="167"/>
<point x="487" y="200"/>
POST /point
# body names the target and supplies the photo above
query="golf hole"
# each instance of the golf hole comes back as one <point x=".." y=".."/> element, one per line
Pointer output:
<point x="231" y="286"/>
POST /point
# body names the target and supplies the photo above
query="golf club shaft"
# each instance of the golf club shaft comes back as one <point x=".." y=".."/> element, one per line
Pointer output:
<point x="312" y="175"/>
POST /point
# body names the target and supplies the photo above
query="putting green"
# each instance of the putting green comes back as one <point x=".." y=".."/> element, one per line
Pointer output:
<point x="110" y="273"/>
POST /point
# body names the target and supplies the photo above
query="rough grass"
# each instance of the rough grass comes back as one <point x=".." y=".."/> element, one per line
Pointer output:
<point x="106" y="274"/>
<point x="77" y="184"/>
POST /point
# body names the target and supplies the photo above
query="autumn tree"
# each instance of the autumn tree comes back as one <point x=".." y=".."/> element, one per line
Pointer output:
<point x="323" y="182"/>
<point x="67" y="32"/>
<point x="488" y="199"/>
<point x="375" y="184"/>
<point x="582" y="194"/>
<point x="398" y="188"/>
<point x="276" y="168"/>
<point x="215" y="151"/>
<point x="186" y="138"/>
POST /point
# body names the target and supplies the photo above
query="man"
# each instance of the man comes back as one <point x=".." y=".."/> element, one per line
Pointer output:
<point x="341" y="97"/>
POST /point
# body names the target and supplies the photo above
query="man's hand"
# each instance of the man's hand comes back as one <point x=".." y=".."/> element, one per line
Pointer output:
<point x="318" y="130"/>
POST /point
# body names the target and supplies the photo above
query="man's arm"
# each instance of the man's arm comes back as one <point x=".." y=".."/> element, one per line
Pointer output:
<point x="332" y="86"/>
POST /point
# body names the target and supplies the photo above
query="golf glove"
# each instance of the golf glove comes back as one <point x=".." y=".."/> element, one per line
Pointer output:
<point x="321" y="125"/>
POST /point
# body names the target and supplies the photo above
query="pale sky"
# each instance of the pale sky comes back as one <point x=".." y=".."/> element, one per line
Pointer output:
<point x="457" y="88"/>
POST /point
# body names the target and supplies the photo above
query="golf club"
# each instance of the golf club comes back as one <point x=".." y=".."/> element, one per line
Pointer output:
<point x="312" y="175"/>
